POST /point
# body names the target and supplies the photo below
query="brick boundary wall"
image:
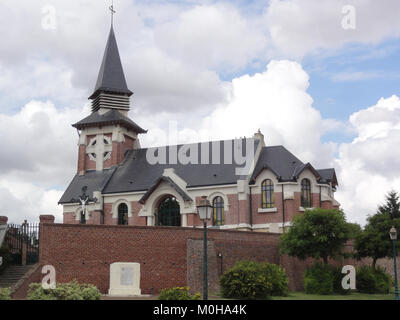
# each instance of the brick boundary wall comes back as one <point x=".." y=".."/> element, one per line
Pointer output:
<point x="168" y="256"/>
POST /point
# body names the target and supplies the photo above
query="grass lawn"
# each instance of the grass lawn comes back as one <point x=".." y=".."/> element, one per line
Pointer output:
<point x="352" y="296"/>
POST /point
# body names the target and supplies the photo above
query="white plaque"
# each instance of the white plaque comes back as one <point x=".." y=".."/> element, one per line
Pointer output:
<point x="124" y="279"/>
<point x="126" y="276"/>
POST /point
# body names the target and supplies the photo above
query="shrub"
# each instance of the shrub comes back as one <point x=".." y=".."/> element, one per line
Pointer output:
<point x="5" y="294"/>
<point x="369" y="281"/>
<point x="178" y="293"/>
<point x="383" y="280"/>
<point x="318" y="279"/>
<point x="253" y="280"/>
<point x="64" y="291"/>
<point x="278" y="278"/>
<point x="245" y="280"/>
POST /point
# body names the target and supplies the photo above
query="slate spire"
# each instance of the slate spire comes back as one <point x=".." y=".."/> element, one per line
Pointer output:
<point x="111" y="77"/>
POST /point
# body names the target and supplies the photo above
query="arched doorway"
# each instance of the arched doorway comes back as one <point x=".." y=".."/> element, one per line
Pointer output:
<point x="169" y="213"/>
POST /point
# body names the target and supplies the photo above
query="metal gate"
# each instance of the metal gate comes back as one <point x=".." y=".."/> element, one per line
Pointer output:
<point x="23" y="242"/>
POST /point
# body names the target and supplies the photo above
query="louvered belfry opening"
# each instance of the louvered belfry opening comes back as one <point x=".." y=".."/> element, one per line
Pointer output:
<point x="111" y="101"/>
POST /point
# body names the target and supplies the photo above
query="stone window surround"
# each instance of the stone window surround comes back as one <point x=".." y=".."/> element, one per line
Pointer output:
<point x="115" y="206"/>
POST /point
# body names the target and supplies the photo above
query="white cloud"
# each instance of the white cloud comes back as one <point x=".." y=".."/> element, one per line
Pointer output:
<point x="299" y="27"/>
<point x="215" y="36"/>
<point x="38" y="159"/>
<point x="369" y="167"/>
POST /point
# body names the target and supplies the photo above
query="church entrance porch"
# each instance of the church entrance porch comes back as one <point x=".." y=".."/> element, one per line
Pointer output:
<point x="168" y="212"/>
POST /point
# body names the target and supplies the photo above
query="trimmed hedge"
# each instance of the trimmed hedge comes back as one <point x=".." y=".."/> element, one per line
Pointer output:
<point x="369" y="281"/>
<point x="253" y="280"/>
<point x="178" y="293"/>
<point x="64" y="291"/>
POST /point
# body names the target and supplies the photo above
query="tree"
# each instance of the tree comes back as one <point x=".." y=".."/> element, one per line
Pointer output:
<point x="391" y="206"/>
<point x="374" y="240"/>
<point x="318" y="233"/>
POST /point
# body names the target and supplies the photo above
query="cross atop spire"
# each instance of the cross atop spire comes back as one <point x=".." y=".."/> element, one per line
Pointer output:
<point x="112" y="12"/>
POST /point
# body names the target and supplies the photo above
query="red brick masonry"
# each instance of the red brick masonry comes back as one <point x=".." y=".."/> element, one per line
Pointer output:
<point x="168" y="256"/>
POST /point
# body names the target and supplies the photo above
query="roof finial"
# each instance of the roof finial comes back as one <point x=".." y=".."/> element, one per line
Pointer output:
<point x="112" y="12"/>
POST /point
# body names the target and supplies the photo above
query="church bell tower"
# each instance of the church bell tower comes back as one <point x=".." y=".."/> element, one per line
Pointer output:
<point x="107" y="133"/>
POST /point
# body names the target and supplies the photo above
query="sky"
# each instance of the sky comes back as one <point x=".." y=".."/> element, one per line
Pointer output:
<point x="320" y="77"/>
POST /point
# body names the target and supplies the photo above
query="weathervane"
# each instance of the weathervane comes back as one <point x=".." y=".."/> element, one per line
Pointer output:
<point x="112" y="12"/>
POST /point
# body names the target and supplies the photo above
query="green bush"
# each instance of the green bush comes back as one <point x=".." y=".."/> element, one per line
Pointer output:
<point x="253" y="280"/>
<point x="369" y="281"/>
<point x="178" y="293"/>
<point x="5" y="294"/>
<point x="64" y="291"/>
<point x="278" y="278"/>
<point x="318" y="279"/>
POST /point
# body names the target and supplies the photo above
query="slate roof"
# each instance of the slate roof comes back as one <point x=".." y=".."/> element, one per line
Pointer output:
<point x="94" y="180"/>
<point x="280" y="161"/>
<point x="288" y="167"/>
<point x="111" y="117"/>
<point x="328" y="175"/>
<point x="137" y="174"/>
<point x="111" y="76"/>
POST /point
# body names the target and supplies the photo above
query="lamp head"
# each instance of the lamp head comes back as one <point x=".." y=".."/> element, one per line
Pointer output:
<point x="204" y="209"/>
<point x="393" y="233"/>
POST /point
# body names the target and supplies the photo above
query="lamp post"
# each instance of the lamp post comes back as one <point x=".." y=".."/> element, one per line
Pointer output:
<point x="393" y="237"/>
<point x="204" y="209"/>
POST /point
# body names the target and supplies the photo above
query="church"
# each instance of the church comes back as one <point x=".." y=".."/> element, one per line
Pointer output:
<point x="122" y="186"/>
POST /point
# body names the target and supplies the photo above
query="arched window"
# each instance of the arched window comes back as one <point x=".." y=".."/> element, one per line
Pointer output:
<point x="83" y="218"/>
<point x="123" y="214"/>
<point x="168" y="213"/>
<point x="218" y="206"/>
<point x="306" y="193"/>
<point x="267" y="194"/>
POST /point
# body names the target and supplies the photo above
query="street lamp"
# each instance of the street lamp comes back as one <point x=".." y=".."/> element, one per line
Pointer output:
<point x="204" y="209"/>
<point x="393" y="237"/>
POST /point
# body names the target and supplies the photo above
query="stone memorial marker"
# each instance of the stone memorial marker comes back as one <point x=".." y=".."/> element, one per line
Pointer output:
<point x="124" y="279"/>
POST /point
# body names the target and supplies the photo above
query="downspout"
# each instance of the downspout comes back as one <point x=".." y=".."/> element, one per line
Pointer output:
<point x="320" y="197"/>
<point x="251" y="209"/>
<point x="283" y="210"/>
<point x="102" y="211"/>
